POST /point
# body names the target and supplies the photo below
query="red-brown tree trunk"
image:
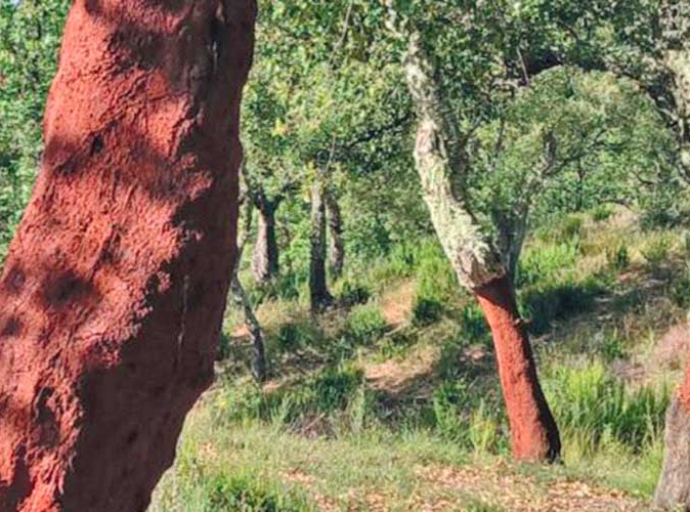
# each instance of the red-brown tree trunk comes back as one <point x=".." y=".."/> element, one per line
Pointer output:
<point x="113" y="292"/>
<point x="673" y="489"/>
<point x="534" y="435"/>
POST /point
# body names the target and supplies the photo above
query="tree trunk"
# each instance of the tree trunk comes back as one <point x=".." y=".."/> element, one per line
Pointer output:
<point x="259" y="365"/>
<point x="533" y="430"/>
<point x="320" y="297"/>
<point x="673" y="489"/>
<point x="265" y="258"/>
<point x="442" y="165"/>
<point x="512" y="230"/>
<point x="336" y="247"/>
<point x="114" y="289"/>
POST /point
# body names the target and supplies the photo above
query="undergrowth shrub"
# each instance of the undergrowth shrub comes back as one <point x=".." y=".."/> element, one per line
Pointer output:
<point x="657" y="251"/>
<point x="544" y="263"/>
<point x="426" y="311"/>
<point x="352" y="294"/>
<point x="602" y="213"/>
<point x="365" y="324"/>
<point x="473" y="324"/>
<point x="400" y="262"/>
<point x="680" y="289"/>
<point x="587" y="399"/>
<point x="396" y="344"/>
<point x="287" y="286"/>
<point x="223" y="347"/>
<point x="437" y="285"/>
<point x="611" y="347"/>
<point x="618" y="258"/>
<point x="295" y="335"/>
<point x="249" y="494"/>
<point x="325" y="393"/>
<point x="559" y="299"/>
<point x="461" y="416"/>
<point x="562" y="229"/>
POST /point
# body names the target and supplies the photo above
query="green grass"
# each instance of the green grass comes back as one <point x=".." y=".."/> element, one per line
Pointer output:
<point x="323" y="434"/>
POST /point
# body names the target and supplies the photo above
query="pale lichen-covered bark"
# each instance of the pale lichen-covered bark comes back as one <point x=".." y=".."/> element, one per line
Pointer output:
<point x="675" y="58"/>
<point x="439" y="159"/>
<point x="320" y="297"/>
<point x="265" y="257"/>
<point x="336" y="245"/>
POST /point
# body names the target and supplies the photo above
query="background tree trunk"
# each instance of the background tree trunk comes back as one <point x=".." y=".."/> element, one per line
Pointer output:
<point x="533" y="431"/>
<point x="114" y="289"/>
<point x="336" y="247"/>
<point x="673" y="489"/>
<point x="441" y="161"/>
<point x="256" y="334"/>
<point x="512" y="231"/>
<point x="266" y="255"/>
<point x="320" y="297"/>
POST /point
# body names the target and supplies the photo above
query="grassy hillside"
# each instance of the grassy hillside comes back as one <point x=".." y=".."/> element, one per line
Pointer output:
<point x="391" y="400"/>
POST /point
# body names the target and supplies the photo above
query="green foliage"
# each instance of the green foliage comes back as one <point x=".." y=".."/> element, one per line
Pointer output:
<point x="546" y="263"/>
<point x="477" y="506"/>
<point x="29" y="39"/>
<point x="602" y="213"/>
<point x="657" y="251"/>
<point x="618" y="258"/>
<point x="612" y="347"/>
<point x="463" y="418"/>
<point x="680" y="289"/>
<point x="328" y="392"/>
<point x="587" y="399"/>
<point x="427" y="311"/>
<point x="365" y="324"/>
<point x="473" y="326"/>
<point x="353" y="294"/>
<point x="295" y="335"/>
<point x="447" y="401"/>
<point x="396" y="345"/>
<point x="249" y="494"/>
<point x="437" y="285"/>
<point x="549" y="301"/>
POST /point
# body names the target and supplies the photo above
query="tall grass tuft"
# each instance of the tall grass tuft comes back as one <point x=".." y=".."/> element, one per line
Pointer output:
<point x="588" y="400"/>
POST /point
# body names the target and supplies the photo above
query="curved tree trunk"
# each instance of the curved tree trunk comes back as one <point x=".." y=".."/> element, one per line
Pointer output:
<point x="533" y="430"/>
<point x="336" y="247"/>
<point x="266" y="256"/>
<point x="259" y="364"/>
<point x="320" y="297"/>
<point x="441" y="161"/>
<point x="113" y="293"/>
<point x="673" y="489"/>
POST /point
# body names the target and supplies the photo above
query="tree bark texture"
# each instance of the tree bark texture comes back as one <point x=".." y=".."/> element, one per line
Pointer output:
<point x="266" y="255"/>
<point x="533" y="431"/>
<point x="320" y="297"/>
<point x="114" y="289"/>
<point x="673" y="489"/>
<point x="336" y="245"/>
